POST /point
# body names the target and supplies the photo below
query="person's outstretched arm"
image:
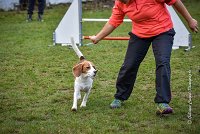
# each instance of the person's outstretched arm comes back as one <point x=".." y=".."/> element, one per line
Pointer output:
<point x="106" y="30"/>
<point x="192" y="23"/>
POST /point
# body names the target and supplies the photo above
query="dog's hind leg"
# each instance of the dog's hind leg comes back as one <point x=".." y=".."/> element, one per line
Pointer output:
<point x="79" y="96"/>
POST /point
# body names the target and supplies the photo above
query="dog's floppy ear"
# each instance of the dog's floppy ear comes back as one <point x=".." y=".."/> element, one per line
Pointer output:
<point x="77" y="70"/>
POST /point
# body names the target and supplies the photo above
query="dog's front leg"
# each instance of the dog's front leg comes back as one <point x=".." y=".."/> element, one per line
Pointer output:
<point x="76" y="93"/>
<point x="85" y="98"/>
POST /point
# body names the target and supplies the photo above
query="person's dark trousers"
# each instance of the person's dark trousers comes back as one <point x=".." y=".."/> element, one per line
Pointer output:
<point x="136" y="51"/>
<point x="41" y="6"/>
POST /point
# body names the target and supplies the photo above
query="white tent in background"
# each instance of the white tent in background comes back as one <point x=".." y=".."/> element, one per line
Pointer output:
<point x="8" y="4"/>
<point x="54" y="2"/>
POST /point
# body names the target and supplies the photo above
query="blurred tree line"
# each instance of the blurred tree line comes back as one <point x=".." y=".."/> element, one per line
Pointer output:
<point x="87" y="4"/>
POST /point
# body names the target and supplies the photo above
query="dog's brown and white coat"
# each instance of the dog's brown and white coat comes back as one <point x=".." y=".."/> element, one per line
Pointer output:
<point x="84" y="73"/>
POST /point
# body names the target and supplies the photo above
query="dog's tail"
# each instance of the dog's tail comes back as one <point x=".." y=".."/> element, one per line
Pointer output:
<point x="78" y="52"/>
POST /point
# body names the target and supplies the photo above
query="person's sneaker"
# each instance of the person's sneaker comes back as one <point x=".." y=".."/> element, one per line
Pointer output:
<point x="40" y="18"/>
<point x="163" y="108"/>
<point x="29" y="18"/>
<point x="116" y="104"/>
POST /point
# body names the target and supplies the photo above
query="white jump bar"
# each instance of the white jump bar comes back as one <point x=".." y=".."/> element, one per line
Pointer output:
<point x="101" y="20"/>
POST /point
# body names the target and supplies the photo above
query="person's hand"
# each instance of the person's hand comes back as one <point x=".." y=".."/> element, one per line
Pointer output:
<point x="193" y="24"/>
<point x="94" y="39"/>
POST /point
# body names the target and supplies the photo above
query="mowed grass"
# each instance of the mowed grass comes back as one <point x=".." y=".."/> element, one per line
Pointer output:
<point x="36" y="85"/>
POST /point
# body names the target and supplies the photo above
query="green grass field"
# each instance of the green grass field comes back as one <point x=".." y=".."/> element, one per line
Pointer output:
<point x="36" y="85"/>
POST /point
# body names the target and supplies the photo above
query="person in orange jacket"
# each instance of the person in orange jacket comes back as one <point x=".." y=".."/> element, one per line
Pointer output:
<point x="151" y="24"/>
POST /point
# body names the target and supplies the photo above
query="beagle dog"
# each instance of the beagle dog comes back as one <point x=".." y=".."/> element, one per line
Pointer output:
<point x="84" y="73"/>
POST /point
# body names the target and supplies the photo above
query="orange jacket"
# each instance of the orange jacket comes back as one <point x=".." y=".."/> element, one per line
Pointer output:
<point x="149" y="17"/>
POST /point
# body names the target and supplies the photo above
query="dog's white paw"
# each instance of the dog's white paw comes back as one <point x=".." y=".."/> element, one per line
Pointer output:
<point x="74" y="109"/>
<point x="83" y="105"/>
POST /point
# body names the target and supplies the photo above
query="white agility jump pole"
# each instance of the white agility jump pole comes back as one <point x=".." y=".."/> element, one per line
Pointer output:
<point x="101" y="20"/>
<point x="110" y="38"/>
<point x="71" y="26"/>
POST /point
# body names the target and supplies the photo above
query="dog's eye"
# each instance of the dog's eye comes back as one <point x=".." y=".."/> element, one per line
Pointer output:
<point x="88" y="67"/>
